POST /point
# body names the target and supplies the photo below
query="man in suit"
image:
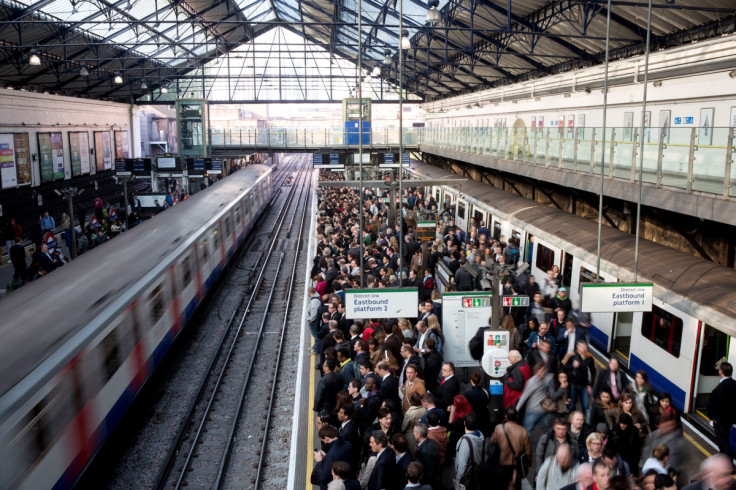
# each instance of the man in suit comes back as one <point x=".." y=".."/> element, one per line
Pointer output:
<point x="716" y="473"/>
<point x="428" y="455"/>
<point x="414" y="476"/>
<point x="389" y="384"/>
<point x="348" y="431"/>
<point x="720" y="407"/>
<point x="400" y="445"/>
<point x="335" y="450"/>
<point x="327" y="388"/>
<point x="384" y="471"/>
<point x="448" y="388"/>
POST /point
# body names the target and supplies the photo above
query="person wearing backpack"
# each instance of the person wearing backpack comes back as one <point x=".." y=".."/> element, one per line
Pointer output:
<point x="469" y="454"/>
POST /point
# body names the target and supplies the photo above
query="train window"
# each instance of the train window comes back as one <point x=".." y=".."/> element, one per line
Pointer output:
<point x="186" y="270"/>
<point x="203" y="249"/>
<point x="496" y="230"/>
<point x="715" y="350"/>
<point x="587" y="276"/>
<point x="545" y="258"/>
<point x="460" y="210"/>
<point x="110" y="355"/>
<point x="215" y="239"/>
<point x="478" y="215"/>
<point x="156" y="303"/>
<point x="228" y="227"/>
<point x="662" y="328"/>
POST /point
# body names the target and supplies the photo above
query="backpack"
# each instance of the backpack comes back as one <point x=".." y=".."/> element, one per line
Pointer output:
<point x="471" y="477"/>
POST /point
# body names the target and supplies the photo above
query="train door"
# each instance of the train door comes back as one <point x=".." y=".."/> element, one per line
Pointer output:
<point x="462" y="214"/>
<point x="480" y="217"/>
<point x="519" y="242"/>
<point x="544" y="257"/>
<point x="714" y="348"/>
<point x="623" y="325"/>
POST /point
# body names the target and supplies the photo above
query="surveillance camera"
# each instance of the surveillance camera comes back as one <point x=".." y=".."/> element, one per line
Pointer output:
<point x="58" y="193"/>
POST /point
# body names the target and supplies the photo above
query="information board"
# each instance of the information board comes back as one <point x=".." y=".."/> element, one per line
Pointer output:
<point x="616" y="297"/>
<point x="7" y="161"/>
<point x="463" y="313"/>
<point x="166" y="163"/>
<point x="381" y="303"/>
<point x="328" y="160"/>
<point x="426" y="230"/>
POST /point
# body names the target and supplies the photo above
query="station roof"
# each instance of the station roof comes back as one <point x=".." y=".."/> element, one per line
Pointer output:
<point x="82" y="45"/>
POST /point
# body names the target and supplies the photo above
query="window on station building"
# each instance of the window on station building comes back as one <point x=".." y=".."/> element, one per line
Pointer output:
<point x="663" y="329"/>
<point x="545" y="257"/>
<point x="714" y="350"/>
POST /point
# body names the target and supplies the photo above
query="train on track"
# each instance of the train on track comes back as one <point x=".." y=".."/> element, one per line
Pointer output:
<point x="691" y="323"/>
<point x="78" y="345"/>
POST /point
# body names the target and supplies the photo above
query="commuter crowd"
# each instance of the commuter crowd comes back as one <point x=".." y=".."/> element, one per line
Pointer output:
<point x="393" y="413"/>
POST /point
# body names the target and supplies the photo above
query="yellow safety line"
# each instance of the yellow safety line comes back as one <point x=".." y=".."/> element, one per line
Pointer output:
<point x="696" y="444"/>
<point x="622" y="354"/>
<point x="310" y="421"/>
<point x="702" y="415"/>
<point x="603" y="366"/>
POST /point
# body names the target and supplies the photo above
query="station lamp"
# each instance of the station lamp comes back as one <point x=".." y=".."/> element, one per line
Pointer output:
<point x="164" y="90"/>
<point x="144" y="85"/>
<point x="433" y="15"/>
<point x="376" y="71"/>
<point x="118" y="79"/>
<point x="387" y="57"/>
<point x="34" y="59"/>
<point x="84" y="72"/>
<point x="405" y="42"/>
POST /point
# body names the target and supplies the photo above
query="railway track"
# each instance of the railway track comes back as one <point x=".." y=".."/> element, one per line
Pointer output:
<point x="225" y="441"/>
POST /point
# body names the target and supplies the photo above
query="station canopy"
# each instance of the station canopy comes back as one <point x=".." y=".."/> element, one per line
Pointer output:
<point x="308" y="50"/>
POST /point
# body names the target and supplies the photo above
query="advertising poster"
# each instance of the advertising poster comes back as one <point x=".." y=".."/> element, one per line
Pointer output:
<point x="45" y="157"/>
<point x="121" y="144"/>
<point x="22" y="158"/>
<point x="705" y="132"/>
<point x="540" y="124"/>
<point x="664" y="124"/>
<point x="103" y="151"/>
<point x="570" y="124"/>
<point x="7" y="161"/>
<point x="79" y="151"/>
<point x="57" y="155"/>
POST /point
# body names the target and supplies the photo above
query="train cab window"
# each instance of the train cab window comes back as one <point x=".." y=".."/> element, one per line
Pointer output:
<point x="156" y="303"/>
<point x="460" y="210"/>
<point x="662" y="328"/>
<point x="715" y="350"/>
<point x="545" y="257"/>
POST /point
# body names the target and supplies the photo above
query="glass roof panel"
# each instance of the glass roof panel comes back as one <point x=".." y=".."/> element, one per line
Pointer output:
<point x="253" y="9"/>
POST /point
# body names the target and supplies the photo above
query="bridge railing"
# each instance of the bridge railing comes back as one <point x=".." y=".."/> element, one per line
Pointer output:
<point x="303" y="138"/>
<point x="691" y="158"/>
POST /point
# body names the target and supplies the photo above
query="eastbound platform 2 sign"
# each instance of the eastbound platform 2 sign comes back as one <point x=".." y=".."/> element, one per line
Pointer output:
<point x="463" y="313"/>
<point x="616" y="297"/>
<point x="381" y="303"/>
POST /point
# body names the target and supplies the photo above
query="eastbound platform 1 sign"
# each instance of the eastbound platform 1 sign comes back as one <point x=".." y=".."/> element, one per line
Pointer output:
<point x="616" y="297"/>
<point x="381" y="303"/>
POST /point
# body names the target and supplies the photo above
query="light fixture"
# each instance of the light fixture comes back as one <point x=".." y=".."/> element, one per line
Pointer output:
<point x="144" y="85"/>
<point x="657" y="83"/>
<point x="732" y="73"/>
<point x="368" y="79"/>
<point x="34" y="59"/>
<point x="567" y="95"/>
<point x="387" y="57"/>
<point x="433" y="15"/>
<point x="405" y="42"/>
<point x="587" y="90"/>
<point x="376" y="71"/>
<point x="84" y="72"/>
<point x="118" y="79"/>
<point x="164" y="90"/>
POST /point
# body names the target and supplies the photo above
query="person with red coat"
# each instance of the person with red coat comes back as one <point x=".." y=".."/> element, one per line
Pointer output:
<point x="515" y="378"/>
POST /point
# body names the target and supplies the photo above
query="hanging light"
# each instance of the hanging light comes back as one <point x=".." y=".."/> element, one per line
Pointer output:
<point x="376" y="71"/>
<point x="368" y="79"/>
<point x="34" y="59"/>
<point x="118" y="79"/>
<point x="164" y="90"/>
<point x="433" y="15"/>
<point x="405" y="42"/>
<point x="144" y="85"/>
<point x="387" y="57"/>
<point x="84" y="72"/>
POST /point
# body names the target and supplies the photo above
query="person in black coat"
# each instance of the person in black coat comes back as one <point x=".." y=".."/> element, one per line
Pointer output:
<point x="448" y="388"/>
<point x="721" y="407"/>
<point x="432" y="364"/>
<point x="327" y="388"/>
<point x="389" y="389"/>
<point x="478" y="397"/>
<point x="384" y="471"/>
<point x="18" y="258"/>
<point x="333" y="449"/>
<point x="604" y="380"/>
<point x="400" y="445"/>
